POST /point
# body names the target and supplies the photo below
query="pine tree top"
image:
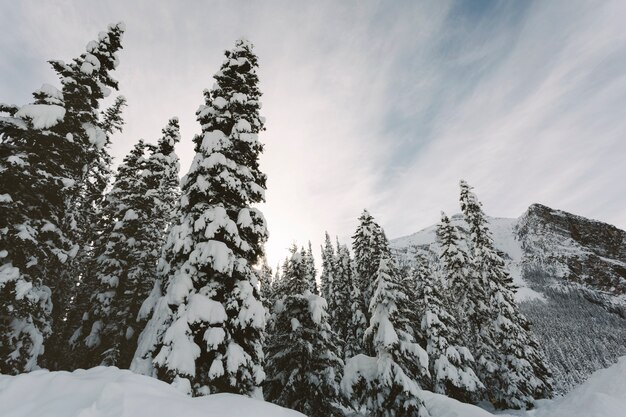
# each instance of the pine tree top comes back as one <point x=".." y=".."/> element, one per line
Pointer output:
<point x="88" y="78"/>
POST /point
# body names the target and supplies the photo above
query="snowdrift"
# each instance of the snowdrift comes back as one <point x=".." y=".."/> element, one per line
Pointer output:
<point x="111" y="392"/>
<point x="602" y="395"/>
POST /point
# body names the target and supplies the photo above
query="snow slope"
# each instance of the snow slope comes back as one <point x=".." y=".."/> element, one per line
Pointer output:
<point x="602" y="395"/>
<point x="504" y="238"/>
<point x="112" y="392"/>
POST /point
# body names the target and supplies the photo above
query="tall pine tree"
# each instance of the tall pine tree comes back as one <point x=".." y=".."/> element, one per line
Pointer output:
<point x="309" y="269"/>
<point x="115" y="255"/>
<point x="509" y="360"/>
<point x="386" y="385"/>
<point x="455" y="266"/>
<point x="328" y="273"/>
<point x="210" y="327"/>
<point x="51" y="163"/>
<point x="303" y="363"/>
<point x="341" y="299"/>
<point x="369" y="244"/>
<point x="450" y="363"/>
<point x="139" y="208"/>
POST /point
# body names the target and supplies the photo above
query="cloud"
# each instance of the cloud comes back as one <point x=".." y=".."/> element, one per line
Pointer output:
<point x="372" y="104"/>
<point x="543" y="123"/>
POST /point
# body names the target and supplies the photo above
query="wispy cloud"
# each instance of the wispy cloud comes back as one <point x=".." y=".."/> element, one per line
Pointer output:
<point x="543" y="123"/>
<point x="373" y="104"/>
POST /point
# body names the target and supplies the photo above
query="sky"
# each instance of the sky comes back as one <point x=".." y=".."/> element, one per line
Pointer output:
<point x="372" y="104"/>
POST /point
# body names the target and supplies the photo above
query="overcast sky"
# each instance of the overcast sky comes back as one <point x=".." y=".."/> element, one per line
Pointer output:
<point x="371" y="104"/>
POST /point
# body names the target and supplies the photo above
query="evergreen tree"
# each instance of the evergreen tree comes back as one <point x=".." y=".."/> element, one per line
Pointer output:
<point x="48" y="150"/>
<point x="311" y="271"/>
<point x="275" y="290"/>
<point x="328" y="272"/>
<point x="139" y="208"/>
<point x="455" y="265"/>
<point x="386" y="385"/>
<point x="112" y="120"/>
<point x="342" y="287"/>
<point x="162" y="181"/>
<point x="85" y="82"/>
<point x="117" y="260"/>
<point x="450" y="363"/>
<point x="211" y="331"/>
<point x="413" y="281"/>
<point x="358" y="324"/>
<point x="303" y="364"/>
<point x="369" y="244"/>
<point x="84" y="220"/>
<point x="509" y="360"/>
<point x="265" y="284"/>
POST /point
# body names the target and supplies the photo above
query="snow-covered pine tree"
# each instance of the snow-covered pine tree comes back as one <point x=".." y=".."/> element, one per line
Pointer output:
<point x="119" y="260"/>
<point x="369" y="244"/>
<point x="49" y="149"/>
<point x="328" y="272"/>
<point x="309" y="269"/>
<point x="412" y="280"/>
<point x="210" y="327"/>
<point x="450" y="363"/>
<point x="85" y="220"/>
<point x="265" y="284"/>
<point x="303" y="364"/>
<point x="455" y="266"/>
<point x="141" y="205"/>
<point x="386" y="385"/>
<point x="342" y="286"/>
<point x="358" y="323"/>
<point x="86" y="81"/>
<point x="134" y="218"/>
<point x="162" y="179"/>
<point x="275" y="289"/>
<point x="509" y="360"/>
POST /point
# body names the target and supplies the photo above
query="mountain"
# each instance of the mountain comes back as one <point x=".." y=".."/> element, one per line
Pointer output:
<point x="571" y="278"/>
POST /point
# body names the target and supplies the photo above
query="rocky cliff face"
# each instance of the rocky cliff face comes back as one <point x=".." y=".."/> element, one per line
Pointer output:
<point x="571" y="274"/>
<point x="575" y="252"/>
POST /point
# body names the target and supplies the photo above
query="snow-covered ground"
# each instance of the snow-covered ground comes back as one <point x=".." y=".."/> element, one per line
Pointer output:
<point x="111" y="392"/>
<point x="602" y="395"/>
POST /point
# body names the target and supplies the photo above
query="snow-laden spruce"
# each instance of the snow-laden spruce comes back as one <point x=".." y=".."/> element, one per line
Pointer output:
<point x="303" y="365"/>
<point x="509" y="361"/>
<point x="265" y="284"/>
<point x="369" y="245"/>
<point x="341" y="296"/>
<point x="455" y="266"/>
<point x="309" y="269"/>
<point x="386" y="385"/>
<point x="450" y="363"/>
<point x="115" y="255"/>
<point x="208" y="327"/>
<point x="52" y="165"/>
<point x="328" y="273"/>
<point x="136" y="213"/>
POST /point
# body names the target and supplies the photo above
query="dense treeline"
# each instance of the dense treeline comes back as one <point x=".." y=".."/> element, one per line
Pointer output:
<point x="137" y="271"/>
